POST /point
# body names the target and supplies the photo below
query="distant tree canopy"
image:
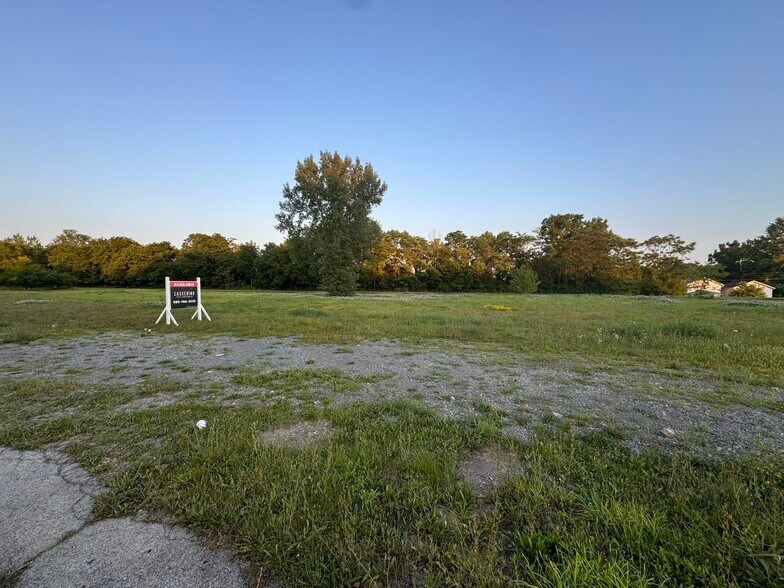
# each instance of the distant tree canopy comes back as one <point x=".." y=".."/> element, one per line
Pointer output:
<point x="699" y="271"/>
<point x="567" y="254"/>
<point x="761" y="258"/>
<point x="579" y="255"/>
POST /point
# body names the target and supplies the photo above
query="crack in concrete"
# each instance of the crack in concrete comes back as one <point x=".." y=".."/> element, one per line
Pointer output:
<point x="18" y="571"/>
<point x="94" y="552"/>
<point x="68" y="473"/>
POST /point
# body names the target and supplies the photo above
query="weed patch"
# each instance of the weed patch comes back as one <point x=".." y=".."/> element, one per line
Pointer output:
<point x="690" y="330"/>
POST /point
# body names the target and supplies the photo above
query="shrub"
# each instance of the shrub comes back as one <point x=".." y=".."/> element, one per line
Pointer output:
<point x="32" y="275"/>
<point x="523" y="280"/>
<point x="746" y="290"/>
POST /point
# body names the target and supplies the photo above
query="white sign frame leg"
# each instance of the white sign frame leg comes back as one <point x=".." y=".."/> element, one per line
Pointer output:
<point x="167" y="311"/>
<point x="199" y="308"/>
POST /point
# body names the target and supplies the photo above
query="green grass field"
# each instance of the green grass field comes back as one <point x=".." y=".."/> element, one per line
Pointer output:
<point x="380" y="501"/>
<point x="739" y="342"/>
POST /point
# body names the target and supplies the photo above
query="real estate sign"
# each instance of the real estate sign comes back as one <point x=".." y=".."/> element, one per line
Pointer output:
<point x="183" y="294"/>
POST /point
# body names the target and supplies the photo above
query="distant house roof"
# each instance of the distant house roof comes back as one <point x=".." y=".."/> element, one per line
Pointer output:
<point x="735" y="284"/>
<point x="704" y="284"/>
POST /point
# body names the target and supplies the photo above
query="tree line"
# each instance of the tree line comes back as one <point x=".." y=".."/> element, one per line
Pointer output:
<point x="568" y="253"/>
<point x="332" y="243"/>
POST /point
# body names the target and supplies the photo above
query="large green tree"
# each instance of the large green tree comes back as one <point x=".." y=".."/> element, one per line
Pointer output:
<point x="329" y="207"/>
<point x="203" y="244"/>
<point x="582" y="255"/>
<point x="12" y="253"/>
<point x="663" y="262"/>
<point x="69" y="251"/>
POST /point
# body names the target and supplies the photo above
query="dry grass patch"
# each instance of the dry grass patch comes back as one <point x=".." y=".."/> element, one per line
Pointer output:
<point x="298" y="435"/>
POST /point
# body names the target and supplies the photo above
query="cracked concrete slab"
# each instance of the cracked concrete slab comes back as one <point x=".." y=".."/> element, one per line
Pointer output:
<point x="42" y="498"/>
<point x="128" y="552"/>
<point x="48" y="538"/>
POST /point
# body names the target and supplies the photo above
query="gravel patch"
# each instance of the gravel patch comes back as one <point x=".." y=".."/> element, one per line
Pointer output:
<point x="455" y="382"/>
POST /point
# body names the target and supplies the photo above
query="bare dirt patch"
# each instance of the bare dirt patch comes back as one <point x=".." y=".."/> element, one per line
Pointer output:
<point x="298" y="435"/>
<point x="484" y="470"/>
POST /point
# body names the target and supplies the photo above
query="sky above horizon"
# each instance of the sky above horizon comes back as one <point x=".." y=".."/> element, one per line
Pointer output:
<point x="154" y="120"/>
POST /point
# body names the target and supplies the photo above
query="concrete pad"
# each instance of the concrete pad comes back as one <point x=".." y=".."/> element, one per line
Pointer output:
<point x="47" y="538"/>
<point x="127" y="552"/>
<point x="43" y="496"/>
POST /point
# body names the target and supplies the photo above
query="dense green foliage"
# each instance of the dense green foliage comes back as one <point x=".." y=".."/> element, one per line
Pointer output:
<point x="328" y="211"/>
<point x="567" y="254"/>
<point x="761" y="258"/>
<point x="523" y="280"/>
<point x="746" y="290"/>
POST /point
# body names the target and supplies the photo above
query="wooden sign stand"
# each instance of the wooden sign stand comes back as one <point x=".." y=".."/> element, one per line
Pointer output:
<point x="187" y="301"/>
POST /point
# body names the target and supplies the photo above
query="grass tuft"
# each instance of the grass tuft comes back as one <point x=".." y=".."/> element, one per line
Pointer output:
<point x="686" y="329"/>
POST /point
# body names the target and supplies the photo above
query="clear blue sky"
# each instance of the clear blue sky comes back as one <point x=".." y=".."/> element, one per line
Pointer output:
<point x="154" y="119"/>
